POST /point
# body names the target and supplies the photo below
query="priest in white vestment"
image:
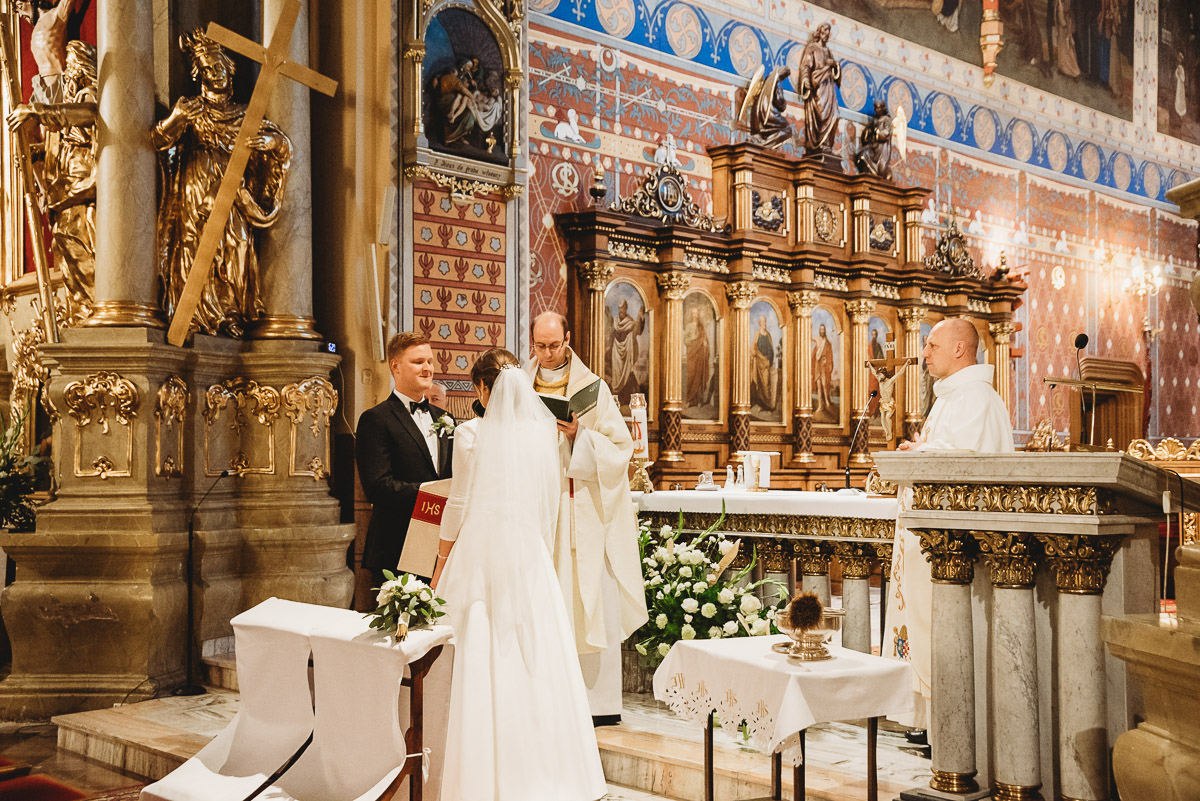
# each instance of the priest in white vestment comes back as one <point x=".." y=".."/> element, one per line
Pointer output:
<point x="968" y="415"/>
<point x="596" y="542"/>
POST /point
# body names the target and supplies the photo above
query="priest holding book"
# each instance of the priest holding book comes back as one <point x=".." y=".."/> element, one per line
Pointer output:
<point x="596" y="542"/>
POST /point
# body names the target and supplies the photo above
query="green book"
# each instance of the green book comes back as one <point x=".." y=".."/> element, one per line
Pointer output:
<point x="580" y="403"/>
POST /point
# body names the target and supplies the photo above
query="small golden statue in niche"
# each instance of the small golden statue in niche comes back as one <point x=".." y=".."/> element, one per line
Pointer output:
<point x="68" y="174"/>
<point x="197" y="138"/>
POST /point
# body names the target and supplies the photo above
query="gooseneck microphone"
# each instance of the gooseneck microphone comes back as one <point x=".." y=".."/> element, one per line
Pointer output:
<point x="857" y="428"/>
<point x="190" y="686"/>
<point x="1081" y="342"/>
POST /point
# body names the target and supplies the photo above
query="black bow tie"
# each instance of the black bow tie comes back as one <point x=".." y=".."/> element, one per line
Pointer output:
<point x="422" y="405"/>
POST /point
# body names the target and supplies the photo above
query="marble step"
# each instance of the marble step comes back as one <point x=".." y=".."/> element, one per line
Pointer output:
<point x="220" y="671"/>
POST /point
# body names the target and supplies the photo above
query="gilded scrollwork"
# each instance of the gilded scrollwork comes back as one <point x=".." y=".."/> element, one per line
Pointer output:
<point x="673" y="285"/>
<point x="313" y="397"/>
<point x="170" y="413"/>
<point x="877" y="485"/>
<point x="244" y="397"/>
<point x="664" y="196"/>
<point x="812" y="557"/>
<point x="951" y="555"/>
<point x="1168" y="450"/>
<point x="783" y="527"/>
<point x="1080" y="562"/>
<point x="1032" y="499"/>
<point x="855" y="558"/>
<point x="595" y="276"/>
<point x="1011" y="558"/>
<point x="92" y="400"/>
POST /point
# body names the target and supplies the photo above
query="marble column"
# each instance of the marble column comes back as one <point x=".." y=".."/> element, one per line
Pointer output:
<point x="855" y="559"/>
<point x="813" y="559"/>
<point x="855" y="373"/>
<point x="1080" y="565"/>
<point x="802" y="304"/>
<point x="741" y="295"/>
<point x="1014" y="673"/>
<point x="594" y="277"/>
<point x="1002" y="335"/>
<point x="911" y="318"/>
<point x="952" y="724"/>
<point x="126" y="167"/>
<point x="672" y="286"/>
<point x="286" y="255"/>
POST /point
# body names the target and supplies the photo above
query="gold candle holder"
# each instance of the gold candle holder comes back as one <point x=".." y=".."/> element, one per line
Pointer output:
<point x="640" y="482"/>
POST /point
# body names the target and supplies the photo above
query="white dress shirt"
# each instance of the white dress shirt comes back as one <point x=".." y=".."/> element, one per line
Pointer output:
<point x="424" y="422"/>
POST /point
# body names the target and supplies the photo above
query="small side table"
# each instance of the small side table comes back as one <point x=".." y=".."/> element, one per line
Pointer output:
<point x="743" y="680"/>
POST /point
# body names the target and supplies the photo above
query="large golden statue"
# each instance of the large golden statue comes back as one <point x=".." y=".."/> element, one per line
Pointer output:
<point x="198" y="137"/>
<point x="68" y="174"/>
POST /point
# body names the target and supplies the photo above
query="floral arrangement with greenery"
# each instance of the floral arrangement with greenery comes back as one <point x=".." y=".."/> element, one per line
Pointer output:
<point x="691" y="595"/>
<point x="403" y="604"/>
<point x="16" y="479"/>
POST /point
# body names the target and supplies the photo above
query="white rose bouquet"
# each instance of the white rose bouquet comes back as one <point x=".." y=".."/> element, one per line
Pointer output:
<point x="404" y="603"/>
<point x="691" y="592"/>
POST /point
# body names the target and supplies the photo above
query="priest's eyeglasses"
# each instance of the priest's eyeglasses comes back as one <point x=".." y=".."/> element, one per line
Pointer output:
<point x="548" y="347"/>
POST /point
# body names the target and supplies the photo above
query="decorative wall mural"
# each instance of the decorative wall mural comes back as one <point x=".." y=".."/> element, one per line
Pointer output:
<point x="1179" y="69"/>
<point x="766" y="363"/>
<point x="627" y="341"/>
<point x="701" y="358"/>
<point x="463" y="80"/>
<point x="826" y="368"/>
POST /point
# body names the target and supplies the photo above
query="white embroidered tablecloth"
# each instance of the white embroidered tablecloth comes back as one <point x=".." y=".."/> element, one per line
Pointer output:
<point x="776" y="502"/>
<point x="742" y="679"/>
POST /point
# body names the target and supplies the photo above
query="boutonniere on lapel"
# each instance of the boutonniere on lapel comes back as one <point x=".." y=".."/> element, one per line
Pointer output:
<point x="444" y="426"/>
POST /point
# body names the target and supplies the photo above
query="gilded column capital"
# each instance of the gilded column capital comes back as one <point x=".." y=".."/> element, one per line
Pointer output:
<point x="912" y="317"/>
<point x="1002" y="332"/>
<point x="673" y="285"/>
<point x="594" y="275"/>
<point x="813" y="558"/>
<point x="883" y="552"/>
<point x="951" y="555"/>
<point x="741" y="294"/>
<point x="855" y="558"/>
<point x="415" y="52"/>
<point x="1080" y="562"/>
<point x="803" y="302"/>
<point x="1011" y="558"/>
<point x="860" y="310"/>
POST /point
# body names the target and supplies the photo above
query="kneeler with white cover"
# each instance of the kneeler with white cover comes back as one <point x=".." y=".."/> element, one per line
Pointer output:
<point x="276" y="710"/>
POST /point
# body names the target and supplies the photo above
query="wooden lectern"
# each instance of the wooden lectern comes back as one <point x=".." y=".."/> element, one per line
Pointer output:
<point x="1106" y="404"/>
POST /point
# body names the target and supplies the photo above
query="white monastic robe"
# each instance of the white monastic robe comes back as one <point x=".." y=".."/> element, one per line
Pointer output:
<point x="967" y="415"/>
<point x="596" y="543"/>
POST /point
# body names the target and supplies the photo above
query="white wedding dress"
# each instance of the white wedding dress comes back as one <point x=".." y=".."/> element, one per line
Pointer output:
<point x="520" y="728"/>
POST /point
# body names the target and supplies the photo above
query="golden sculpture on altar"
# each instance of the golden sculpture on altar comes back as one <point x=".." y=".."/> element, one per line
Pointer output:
<point x="68" y="174"/>
<point x="197" y="138"/>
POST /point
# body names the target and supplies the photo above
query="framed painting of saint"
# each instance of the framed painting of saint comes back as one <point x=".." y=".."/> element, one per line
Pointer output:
<point x="626" y="342"/>
<point x="826" y="357"/>
<point x="701" y="358"/>
<point x="766" y="364"/>
<point x="463" y="84"/>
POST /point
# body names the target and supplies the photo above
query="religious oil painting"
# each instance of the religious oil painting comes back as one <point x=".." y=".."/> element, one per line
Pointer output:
<point x="766" y="363"/>
<point x="826" y="368"/>
<point x="701" y="358"/>
<point x="463" y="80"/>
<point x="1079" y="49"/>
<point x="1179" y="69"/>
<point x="626" y="342"/>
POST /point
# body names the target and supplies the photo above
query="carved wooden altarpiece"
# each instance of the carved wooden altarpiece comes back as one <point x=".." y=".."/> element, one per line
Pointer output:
<point x="759" y="320"/>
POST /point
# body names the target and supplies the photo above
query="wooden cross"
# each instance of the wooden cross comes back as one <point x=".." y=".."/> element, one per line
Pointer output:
<point x="274" y="61"/>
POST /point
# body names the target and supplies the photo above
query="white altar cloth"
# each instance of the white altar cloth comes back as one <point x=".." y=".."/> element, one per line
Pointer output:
<point x="741" y="678"/>
<point x="778" y="502"/>
<point x="353" y="665"/>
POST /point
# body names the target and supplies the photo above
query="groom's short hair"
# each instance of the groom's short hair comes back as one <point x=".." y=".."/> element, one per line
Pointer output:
<point x="403" y="341"/>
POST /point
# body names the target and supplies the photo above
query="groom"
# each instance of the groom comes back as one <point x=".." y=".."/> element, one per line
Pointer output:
<point x="398" y="447"/>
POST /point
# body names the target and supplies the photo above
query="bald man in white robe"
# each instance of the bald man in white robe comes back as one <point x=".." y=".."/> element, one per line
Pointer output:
<point x="968" y="415"/>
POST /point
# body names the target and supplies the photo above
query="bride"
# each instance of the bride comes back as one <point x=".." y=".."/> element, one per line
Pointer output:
<point x="520" y="727"/>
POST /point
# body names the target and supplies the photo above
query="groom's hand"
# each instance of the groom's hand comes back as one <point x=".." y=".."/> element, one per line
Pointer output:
<point x="570" y="428"/>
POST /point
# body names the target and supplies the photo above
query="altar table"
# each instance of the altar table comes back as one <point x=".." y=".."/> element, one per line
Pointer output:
<point x="743" y="679"/>
<point x="771" y="502"/>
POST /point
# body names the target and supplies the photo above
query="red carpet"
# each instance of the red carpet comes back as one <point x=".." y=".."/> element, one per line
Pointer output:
<point x="37" y="788"/>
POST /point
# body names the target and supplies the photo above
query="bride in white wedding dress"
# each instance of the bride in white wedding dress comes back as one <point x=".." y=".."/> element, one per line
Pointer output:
<point x="520" y="728"/>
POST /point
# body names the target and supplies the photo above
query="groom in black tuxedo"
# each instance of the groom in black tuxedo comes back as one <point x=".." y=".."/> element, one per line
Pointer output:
<point x="397" y="449"/>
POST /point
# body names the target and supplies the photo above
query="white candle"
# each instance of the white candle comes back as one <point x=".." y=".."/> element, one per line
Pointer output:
<point x="764" y="470"/>
<point x="641" y="449"/>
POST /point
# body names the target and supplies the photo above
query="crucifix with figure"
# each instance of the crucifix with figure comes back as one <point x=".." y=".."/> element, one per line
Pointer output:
<point x="274" y="62"/>
<point x="886" y="372"/>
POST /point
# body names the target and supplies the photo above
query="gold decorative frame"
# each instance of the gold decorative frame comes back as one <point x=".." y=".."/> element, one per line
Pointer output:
<point x="170" y="411"/>
<point x="1184" y="460"/>
<point x="91" y="399"/>
<point x="315" y="396"/>
<point x="245" y="396"/>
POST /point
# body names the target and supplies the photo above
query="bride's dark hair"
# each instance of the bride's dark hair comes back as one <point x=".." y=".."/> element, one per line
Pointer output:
<point x="489" y="364"/>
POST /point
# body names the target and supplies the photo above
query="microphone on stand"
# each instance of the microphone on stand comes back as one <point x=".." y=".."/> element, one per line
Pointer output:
<point x="1081" y="342"/>
<point x="853" y="439"/>
<point x="190" y="687"/>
